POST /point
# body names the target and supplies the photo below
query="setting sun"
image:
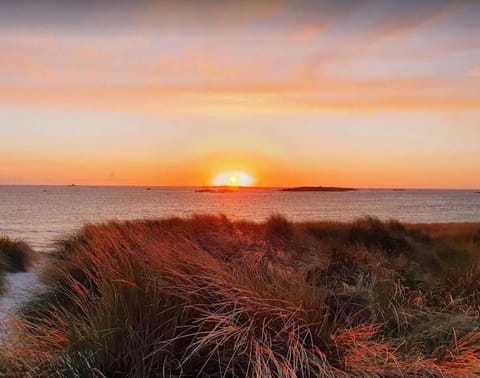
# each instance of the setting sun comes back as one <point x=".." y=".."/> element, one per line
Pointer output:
<point x="233" y="179"/>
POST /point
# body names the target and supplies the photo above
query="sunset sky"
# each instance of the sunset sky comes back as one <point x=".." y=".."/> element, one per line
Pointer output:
<point x="345" y="93"/>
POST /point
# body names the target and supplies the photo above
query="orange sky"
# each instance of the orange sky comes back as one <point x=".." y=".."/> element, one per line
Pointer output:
<point x="294" y="93"/>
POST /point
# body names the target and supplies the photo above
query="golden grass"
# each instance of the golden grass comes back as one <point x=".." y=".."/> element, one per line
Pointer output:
<point x="206" y="296"/>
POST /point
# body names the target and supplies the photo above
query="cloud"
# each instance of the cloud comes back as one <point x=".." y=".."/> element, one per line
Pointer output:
<point x="475" y="72"/>
<point x="243" y="56"/>
<point x="331" y="94"/>
<point x="106" y="15"/>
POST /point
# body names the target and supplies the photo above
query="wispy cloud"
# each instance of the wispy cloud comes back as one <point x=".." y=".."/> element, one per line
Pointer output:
<point x="255" y="56"/>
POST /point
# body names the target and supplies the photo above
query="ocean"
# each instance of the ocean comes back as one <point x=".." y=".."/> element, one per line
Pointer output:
<point x="42" y="214"/>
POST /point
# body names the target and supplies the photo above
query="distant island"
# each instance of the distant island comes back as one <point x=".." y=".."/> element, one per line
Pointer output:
<point x="220" y="189"/>
<point x="225" y="189"/>
<point x="317" y="189"/>
<point x="215" y="190"/>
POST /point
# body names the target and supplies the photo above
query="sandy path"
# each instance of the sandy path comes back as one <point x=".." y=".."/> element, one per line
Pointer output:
<point x="19" y="288"/>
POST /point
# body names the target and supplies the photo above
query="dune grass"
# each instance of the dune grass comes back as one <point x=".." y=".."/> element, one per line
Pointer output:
<point x="206" y="296"/>
<point x="15" y="256"/>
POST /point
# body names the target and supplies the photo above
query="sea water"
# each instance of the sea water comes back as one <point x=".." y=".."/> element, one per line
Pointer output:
<point x="42" y="214"/>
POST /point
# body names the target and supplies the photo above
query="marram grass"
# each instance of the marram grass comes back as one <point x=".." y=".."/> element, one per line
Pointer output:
<point x="209" y="297"/>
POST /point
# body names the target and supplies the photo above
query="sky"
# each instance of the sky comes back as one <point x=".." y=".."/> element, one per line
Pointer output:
<point x="342" y="93"/>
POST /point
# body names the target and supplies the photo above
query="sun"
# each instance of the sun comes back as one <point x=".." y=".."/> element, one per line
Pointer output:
<point x="234" y="179"/>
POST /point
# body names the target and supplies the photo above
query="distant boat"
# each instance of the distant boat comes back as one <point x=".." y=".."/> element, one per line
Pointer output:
<point x="398" y="190"/>
<point x="149" y="188"/>
<point x="317" y="189"/>
<point x="72" y="185"/>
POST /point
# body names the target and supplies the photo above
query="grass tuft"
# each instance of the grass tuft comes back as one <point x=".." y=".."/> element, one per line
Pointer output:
<point x="15" y="255"/>
<point x="279" y="226"/>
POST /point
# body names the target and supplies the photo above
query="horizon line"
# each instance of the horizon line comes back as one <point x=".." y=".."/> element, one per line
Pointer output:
<point x="242" y="187"/>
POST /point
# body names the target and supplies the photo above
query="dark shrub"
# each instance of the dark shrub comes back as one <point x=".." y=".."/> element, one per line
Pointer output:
<point x="16" y="255"/>
<point x="476" y="238"/>
<point x="372" y="233"/>
<point x="279" y="226"/>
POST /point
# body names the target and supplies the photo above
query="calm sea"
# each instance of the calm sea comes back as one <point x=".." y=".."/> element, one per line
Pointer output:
<point x="40" y="214"/>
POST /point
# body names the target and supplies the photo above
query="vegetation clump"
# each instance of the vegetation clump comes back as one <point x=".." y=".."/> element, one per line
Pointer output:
<point x="16" y="255"/>
<point x="206" y="296"/>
